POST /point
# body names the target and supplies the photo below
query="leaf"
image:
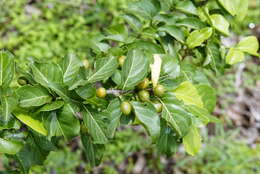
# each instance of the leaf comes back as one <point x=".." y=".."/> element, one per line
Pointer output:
<point x="115" y="115"/>
<point x="104" y="68"/>
<point x="186" y="6"/>
<point x="135" y="68"/>
<point x="156" y="69"/>
<point x="70" y="67"/>
<point x="228" y="5"/>
<point x="249" y="45"/>
<point x="241" y="9"/>
<point x="147" y="115"/>
<point x="34" y="152"/>
<point x="234" y="56"/>
<point x="8" y="105"/>
<point x="170" y="67"/>
<point x="93" y="152"/>
<point x="133" y="21"/>
<point x="7" y="68"/>
<point x="50" y="76"/>
<point x="65" y="123"/>
<point x="191" y="22"/>
<point x="86" y="92"/>
<point x="52" y="106"/>
<point x="197" y="37"/>
<point x="94" y="128"/>
<point x="208" y="96"/>
<point x="175" y="115"/>
<point x="168" y="140"/>
<point x="188" y="93"/>
<point x="33" y="96"/>
<point x="220" y="23"/>
<point x="31" y="122"/>
<point x="174" y="31"/>
<point x="201" y="113"/>
<point x="9" y="146"/>
<point x="192" y="141"/>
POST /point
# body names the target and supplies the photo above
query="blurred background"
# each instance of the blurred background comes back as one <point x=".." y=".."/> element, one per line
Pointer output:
<point x="49" y="29"/>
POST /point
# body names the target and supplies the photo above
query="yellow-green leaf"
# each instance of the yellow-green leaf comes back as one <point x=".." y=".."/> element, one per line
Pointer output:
<point x="9" y="146"/>
<point x="249" y="45"/>
<point x="234" y="56"/>
<point x="188" y="93"/>
<point x="229" y="5"/>
<point x="192" y="141"/>
<point x="220" y="23"/>
<point x="32" y="123"/>
<point x="197" y="37"/>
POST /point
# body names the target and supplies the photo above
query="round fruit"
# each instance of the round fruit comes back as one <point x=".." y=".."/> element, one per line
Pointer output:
<point x="144" y="95"/>
<point x="158" y="106"/>
<point x="121" y="60"/>
<point x="22" y="81"/>
<point x="159" y="90"/>
<point x="86" y="63"/>
<point x="144" y="84"/>
<point x="101" y="92"/>
<point x="126" y="108"/>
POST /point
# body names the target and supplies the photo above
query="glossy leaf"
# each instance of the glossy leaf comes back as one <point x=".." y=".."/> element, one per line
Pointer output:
<point x="188" y="93"/>
<point x="70" y="67"/>
<point x="241" y="9"/>
<point x="229" y="6"/>
<point x="174" y="31"/>
<point x="134" y="69"/>
<point x="192" y="141"/>
<point x="33" y="96"/>
<point x="249" y="45"/>
<point x="191" y="22"/>
<point x="31" y="122"/>
<point x="52" y="106"/>
<point x="220" y="23"/>
<point x="187" y="6"/>
<point x="92" y="122"/>
<point x="104" y="68"/>
<point x="197" y="37"/>
<point x="147" y="115"/>
<point x="7" y="68"/>
<point x="208" y="96"/>
<point x="86" y="91"/>
<point x="234" y="56"/>
<point x="8" y="105"/>
<point x="9" y="146"/>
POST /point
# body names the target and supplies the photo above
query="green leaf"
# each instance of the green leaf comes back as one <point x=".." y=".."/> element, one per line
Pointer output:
<point x="187" y="6"/>
<point x="31" y="122"/>
<point x="175" y="115"/>
<point x="7" y="68"/>
<point x="34" y="152"/>
<point x="192" y="141"/>
<point x="188" y="93"/>
<point x="174" y="31"/>
<point x="229" y="6"/>
<point x="93" y="152"/>
<point x="86" y="92"/>
<point x="147" y="115"/>
<point x="208" y="96"/>
<point x="133" y="21"/>
<point x="197" y="37"/>
<point x="65" y="122"/>
<point x="104" y="68"/>
<point x="249" y="45"/>
<point x="8" y="105"/>
<point x="135" y="68"/>
<point x="9" y="146"/>
<point x="191" y="22"/>
<point x="94" y="127"/>
<point x="52" y="106"/>
<point x="50" y="76"/>
<point x="201" y="113"/>
<point x="170" y="67"/>
<point x="234" y="56"/>
<point x="70" y="67"/>
<point x="241" y="9"/>
<point x="115" y="114"/>
<point x="220" y="23"/>
<point x="33" y="96"/>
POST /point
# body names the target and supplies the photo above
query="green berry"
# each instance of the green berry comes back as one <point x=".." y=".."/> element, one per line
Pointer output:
<point x="144" y="95"/>
<point x="159" y="90"/>
<point x="144" y="84"/>
<point x="101" y="92"/>
<point x="126" y="108"/>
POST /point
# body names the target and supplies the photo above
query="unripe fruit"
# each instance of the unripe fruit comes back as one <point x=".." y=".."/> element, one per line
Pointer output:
<point x="121" y="60"/>
<point x="159" y="90"/>
<point x="86" y="63"/>
<point x="144" y="84"/>
<point x="101" y="92"/>
<point x="22" y="81"/>
<point x="126" y="108"/>
<point x="158" y="106"/>
<point x="144" y="95"/>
